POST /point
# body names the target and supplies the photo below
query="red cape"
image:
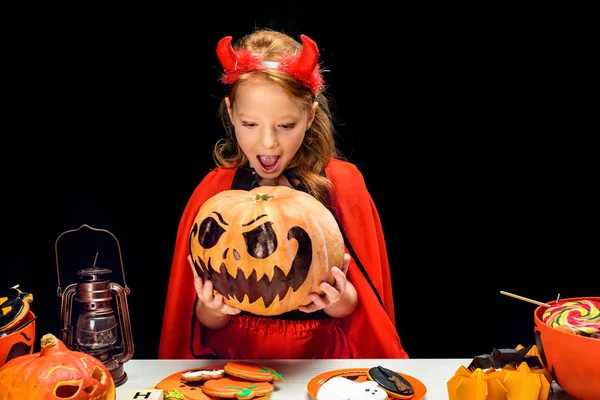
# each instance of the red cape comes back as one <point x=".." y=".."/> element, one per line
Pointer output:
<point x="370" y="328"/>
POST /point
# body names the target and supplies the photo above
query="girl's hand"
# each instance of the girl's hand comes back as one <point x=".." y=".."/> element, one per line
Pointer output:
<point x="337" y="295"/>
<point x="211" y="299"/>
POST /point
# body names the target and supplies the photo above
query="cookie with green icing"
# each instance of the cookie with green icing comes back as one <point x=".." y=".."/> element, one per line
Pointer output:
<point x="232" y="387"/>
<point x="252" y="371"/>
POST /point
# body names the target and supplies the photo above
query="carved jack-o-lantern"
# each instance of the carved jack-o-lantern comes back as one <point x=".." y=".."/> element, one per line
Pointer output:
<point x="265" y="249"/>
<point x="56" y="373"/>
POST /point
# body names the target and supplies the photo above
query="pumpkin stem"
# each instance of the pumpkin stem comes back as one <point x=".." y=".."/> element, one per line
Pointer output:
<point x="48" y="340"/>
<point x="263" y="197"/>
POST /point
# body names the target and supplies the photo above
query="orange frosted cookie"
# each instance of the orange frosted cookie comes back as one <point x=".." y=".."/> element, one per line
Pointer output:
<point x="252" y="371"/>
<point x="232" y="387"/>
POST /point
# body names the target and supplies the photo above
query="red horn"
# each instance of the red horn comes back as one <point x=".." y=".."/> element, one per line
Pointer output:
<point x="308" y="58"/>
<point x="227" y="56"/>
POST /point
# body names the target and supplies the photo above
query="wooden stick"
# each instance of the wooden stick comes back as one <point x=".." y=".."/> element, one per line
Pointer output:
<point x="539" y="303"/>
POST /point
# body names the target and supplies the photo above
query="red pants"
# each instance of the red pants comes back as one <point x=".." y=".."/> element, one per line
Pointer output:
<point x="247" y="337"/>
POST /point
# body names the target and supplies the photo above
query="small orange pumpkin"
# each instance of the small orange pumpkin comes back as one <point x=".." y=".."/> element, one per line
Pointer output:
<point x="55" y="373"/>
<point x="265" y="249"/>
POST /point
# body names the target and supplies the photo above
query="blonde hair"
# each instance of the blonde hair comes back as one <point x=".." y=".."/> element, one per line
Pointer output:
<point x="318" y="146"/>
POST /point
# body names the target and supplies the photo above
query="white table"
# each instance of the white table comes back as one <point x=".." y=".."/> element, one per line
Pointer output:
<point x="433" y="373"/>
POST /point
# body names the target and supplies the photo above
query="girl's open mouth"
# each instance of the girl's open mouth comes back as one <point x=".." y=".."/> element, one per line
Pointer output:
<point x="268" y="163"/>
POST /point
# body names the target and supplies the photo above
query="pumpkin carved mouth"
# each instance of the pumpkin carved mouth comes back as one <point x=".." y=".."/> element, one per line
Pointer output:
<point x="264" y="287"/>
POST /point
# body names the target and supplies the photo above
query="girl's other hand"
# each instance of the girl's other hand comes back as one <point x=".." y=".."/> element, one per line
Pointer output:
<point x="332" y="294"/>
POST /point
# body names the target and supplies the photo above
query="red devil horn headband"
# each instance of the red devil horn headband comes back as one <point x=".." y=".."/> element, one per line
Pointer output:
<point x="303" y="66"/>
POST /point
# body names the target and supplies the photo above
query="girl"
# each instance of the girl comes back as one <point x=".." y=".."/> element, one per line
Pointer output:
<point x="279" y="131"/>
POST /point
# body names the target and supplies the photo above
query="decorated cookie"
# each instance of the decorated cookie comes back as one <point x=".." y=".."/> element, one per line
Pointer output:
<point x="340" y="388"/>
<point x="232" y="387"/>
<point x="252" y="371"/>
<point x="391" y="382"/>
<point x="191" y="390"/>
<point x="202" y="374"/>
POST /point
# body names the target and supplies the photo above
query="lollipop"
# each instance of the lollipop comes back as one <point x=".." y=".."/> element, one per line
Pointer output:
<point x="583" y="316"/>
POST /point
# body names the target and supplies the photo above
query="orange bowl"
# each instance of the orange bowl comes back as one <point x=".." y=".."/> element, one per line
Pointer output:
<point x="19" y="342"/>
<point x="572" y="360"/>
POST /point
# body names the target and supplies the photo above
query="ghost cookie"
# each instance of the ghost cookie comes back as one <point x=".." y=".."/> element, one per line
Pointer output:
<point x="252" y="371"/>
<point x="202" y="374"/>
<point x="394" y="384"/>
<point x="340" y="388"/>
<point x="232" y="387"/>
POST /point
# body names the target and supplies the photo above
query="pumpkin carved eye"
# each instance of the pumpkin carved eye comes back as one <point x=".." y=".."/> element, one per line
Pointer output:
<point x="261" y="241"/>
<point x="209" y="233"/>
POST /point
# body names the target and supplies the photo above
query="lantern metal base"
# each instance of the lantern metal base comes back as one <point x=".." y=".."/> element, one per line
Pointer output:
<point x="119" y="375"/>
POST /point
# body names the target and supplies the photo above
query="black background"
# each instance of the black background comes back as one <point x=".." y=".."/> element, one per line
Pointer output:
<point x="469" y="127"/>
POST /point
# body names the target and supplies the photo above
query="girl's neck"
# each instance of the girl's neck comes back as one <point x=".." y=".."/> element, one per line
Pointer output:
<point x="281" y="180"/>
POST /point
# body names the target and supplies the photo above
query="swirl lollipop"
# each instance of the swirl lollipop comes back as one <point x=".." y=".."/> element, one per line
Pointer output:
<point x="583" y="316"/>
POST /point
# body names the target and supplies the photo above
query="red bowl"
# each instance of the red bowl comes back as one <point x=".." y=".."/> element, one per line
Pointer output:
<point x="572" y="360"/>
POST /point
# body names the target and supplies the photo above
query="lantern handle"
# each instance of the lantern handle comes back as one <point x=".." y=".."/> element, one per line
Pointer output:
<point x="59" y="290"/>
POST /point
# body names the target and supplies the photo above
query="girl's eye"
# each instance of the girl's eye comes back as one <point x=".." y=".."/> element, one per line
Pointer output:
<point x="282" y="126"/>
